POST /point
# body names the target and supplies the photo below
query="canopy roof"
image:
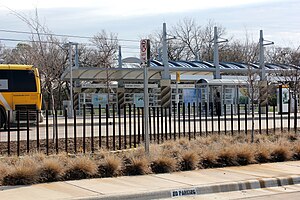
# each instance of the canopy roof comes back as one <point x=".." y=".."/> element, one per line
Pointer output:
<point x="133" y="71"/>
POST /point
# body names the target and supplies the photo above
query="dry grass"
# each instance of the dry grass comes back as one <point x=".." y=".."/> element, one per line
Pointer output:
<point x="189" y="160"/>
<point x="163" y="164"/>
<point x="24" y="172"/>
<point x="51" y="170"/>
<point x="170" y="156"/>
<point x="244" y="154"/>
<point x="110" y="166"/>
<point x="80" y="168"/>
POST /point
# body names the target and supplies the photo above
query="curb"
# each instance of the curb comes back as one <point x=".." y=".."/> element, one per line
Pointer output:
<point x="205" y="189"/>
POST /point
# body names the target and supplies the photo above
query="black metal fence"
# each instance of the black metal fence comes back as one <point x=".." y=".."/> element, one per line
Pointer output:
<point x="118" y="128"/>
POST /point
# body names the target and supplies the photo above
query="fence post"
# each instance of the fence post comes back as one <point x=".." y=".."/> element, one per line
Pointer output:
<point x="231" y="112"/>
<point x="8" y="132"/>
<point x="125" y="124"/>
<point x="178" y="113"/>
<point x="84" y="126"/>
<point x="107" y="116"/>
<point x="18" y="133"/>
<point x="166" y="124"/>
<point x="225" y="120"/>
<point x="161" y="123"/>
<point x="75" y="132"/>
<point x="289" y="114"/>
<point x="174" y="120"/>
<point x="100" y="126"/>
<point x="295" y="116"/>
<point x="134" y="127"/>
<point x="212" y="117"/>
<point x="28" y="140"/>
<point x="66" y="130"/>
<point x="150" y="124"/>
<point x="120" y="129"/>
<point x="139" y="125"/>
<point x="37" y="131"/>
<point x="56" y="132"/>
<point x="267" y="118"/>
<point x="246" y="120"/>
<point x="259" y="117"/>
<point x="189" y="119"/>
<point x="157" y="118"/>
<point x="274" y="119"/>
<point x="200" y="121"/>
<point x="92" y="128"/>
<point x="239" y="118"/>
<point x="194" y="115"/>
<point x="130" y="127"/>
<point x="206" y="114"/>
<point x="47" y="132"/>
<point x="114" y="128"/>
<point x="154" y="127"/>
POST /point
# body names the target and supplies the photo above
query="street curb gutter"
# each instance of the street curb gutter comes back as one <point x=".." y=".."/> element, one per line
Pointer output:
<point x="206" y="189"/>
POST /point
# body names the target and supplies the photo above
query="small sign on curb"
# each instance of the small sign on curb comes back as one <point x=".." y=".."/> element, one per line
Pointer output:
<point x="183" y="192"/>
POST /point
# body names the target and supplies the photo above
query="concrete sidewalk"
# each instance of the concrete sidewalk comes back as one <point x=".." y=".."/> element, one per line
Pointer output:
<point x="157" y="186"/>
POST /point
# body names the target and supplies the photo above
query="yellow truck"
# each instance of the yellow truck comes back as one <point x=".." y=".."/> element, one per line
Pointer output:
<point x="20" y="90"/>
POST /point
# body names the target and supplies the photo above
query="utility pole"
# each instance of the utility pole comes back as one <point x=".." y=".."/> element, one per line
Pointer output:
<point x="71" y="79"/>
<point x="216" y="42"/>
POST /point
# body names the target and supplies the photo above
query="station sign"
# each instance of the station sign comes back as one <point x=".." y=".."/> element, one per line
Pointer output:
<point x="183" y="86"/>
<point x="144" y="51"/>
<point x="98" y="85"/>
<point x="140" y="86"/>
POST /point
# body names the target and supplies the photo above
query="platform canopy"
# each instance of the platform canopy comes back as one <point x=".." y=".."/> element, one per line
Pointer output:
<point x="133" y="71"/>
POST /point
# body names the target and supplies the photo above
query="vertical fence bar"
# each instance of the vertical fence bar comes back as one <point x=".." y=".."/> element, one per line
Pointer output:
<point x="125" y="124"/>
<point x="143" y="132"/>
<point x="274" y="119"/>
<point x="66" y="130"/>
<point x="246" y="120"/>
<point x="194" y="115"/>
<point x="119" y="126"/>
<point x="139" y="125"/>
<point x="114" y="126"/>
<point x="47" y="132"/>
<point x="157" y="122"/>
<point x="75" y="132"/>
<point x="219" y="121"/>
<point x="150" y="124"/>
<point x="200" y="121"/>
<point x="27" y="129"/>
<point x="289" y="115"/>
<point x="225" y="120"/>
<point x="183" y="113"/>
<point x="170" y="121"/>
<point x="161" y="124"/>
<point x="206" y="114"/>
<point x="37" y="131"/>
<point x="212" y="117"/>
<point x="231" y="112"/>
<point x="267" y="118"/>
<point x="166" y="124"/>
<point x="8" y="132"/>
<point x="295" y="117"/>
<point x="178" y="113"/>
<point x="84" y="128"/>
<point x="130" y="127"/>
<point x="239" y="118"/>
<point x="18" y="133"/>
<point x="56" y="132"/>
<point x="100" y="126"/>
<point x="189" y="119"/>
<point x="92" y="128"/>
<point x="107" y="117"/>
<point x="154" y="127"/>
<point x="174" y="121"/>
<point x="259" y="117"/>
<point x="281" y="120"/>
<point x="134" y="127"/>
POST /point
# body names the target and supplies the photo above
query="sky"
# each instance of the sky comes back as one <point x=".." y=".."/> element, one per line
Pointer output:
<point x="136" y="19"/>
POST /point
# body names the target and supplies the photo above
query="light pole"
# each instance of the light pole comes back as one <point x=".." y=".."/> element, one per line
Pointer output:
<point x="216" y="52"/>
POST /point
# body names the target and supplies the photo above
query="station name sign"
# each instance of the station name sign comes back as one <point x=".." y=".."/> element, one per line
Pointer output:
<point x="140" y="86"/>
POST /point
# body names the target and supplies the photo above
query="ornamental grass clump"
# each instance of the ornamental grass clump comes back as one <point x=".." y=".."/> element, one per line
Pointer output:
<point x="137" y="166"/>
<point x="227" y="157"/>
<point x="51" y="170"/>
<point x="163" y="164"/>
<point x="244" y="154"/>
<point x="189" y="160"/>
<point x="110" y="166"/>
<point x="296" y="150"/>
<point x="281" y="152"/>
<point x="81" y="168"/>
<point x="24" y="172"/>
<point x="263" y="152"/>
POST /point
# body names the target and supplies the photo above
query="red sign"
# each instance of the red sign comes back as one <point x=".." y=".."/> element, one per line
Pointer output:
<point x="144" y="51"/>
